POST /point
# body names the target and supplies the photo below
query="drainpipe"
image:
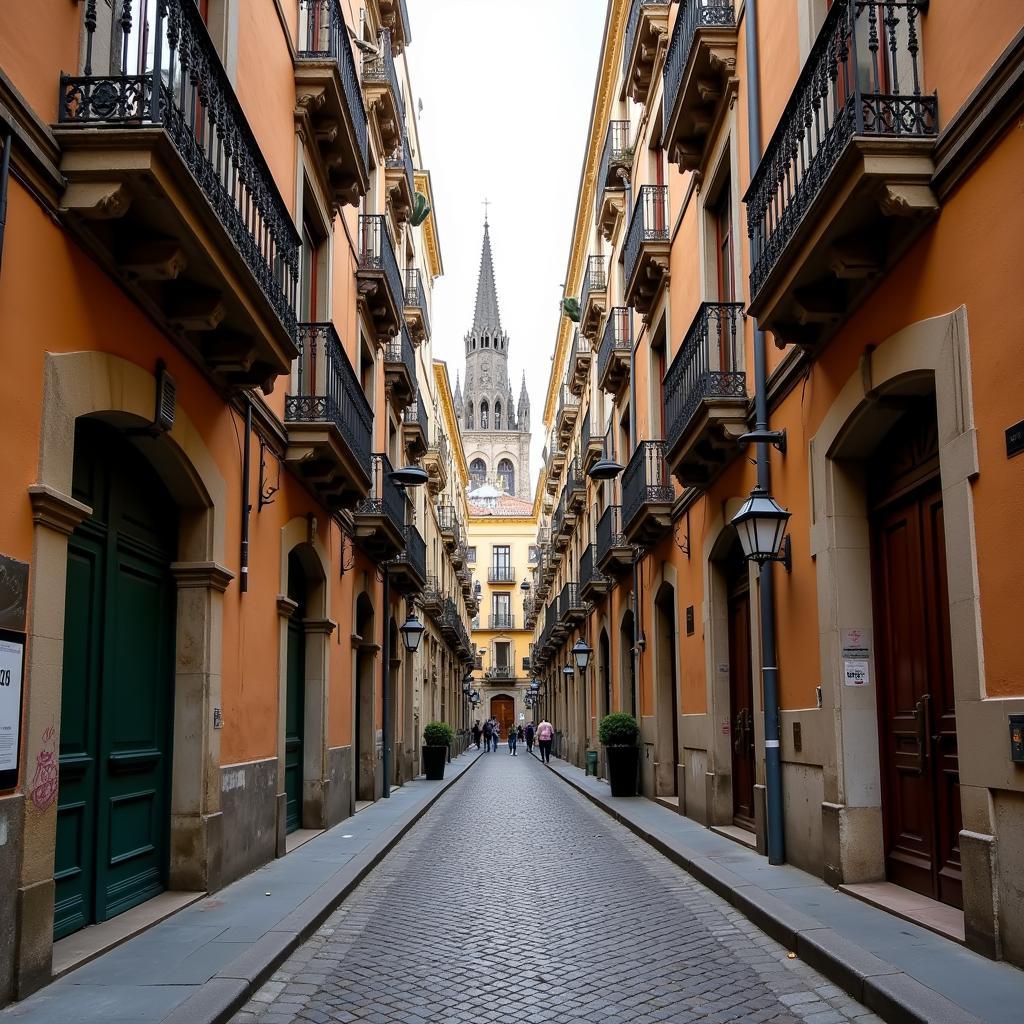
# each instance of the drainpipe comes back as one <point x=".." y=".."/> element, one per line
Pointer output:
<point x="385" y="677"/>
<point x="243" y="582"/>
<point x="766" y="590"/>
<point x="5" y="173"/>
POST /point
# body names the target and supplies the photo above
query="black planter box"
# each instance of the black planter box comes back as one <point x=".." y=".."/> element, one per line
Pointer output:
<point x="434" y="759"/>
<point x="623" y="763"/>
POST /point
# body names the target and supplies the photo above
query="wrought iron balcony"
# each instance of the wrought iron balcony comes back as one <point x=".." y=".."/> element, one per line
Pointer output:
<point x="328" y="97"/>
<point x="417" y="316"/>
<point x="844" y="185"/>
<point x="399" y="177"/>
<point x="591" y="443"/>
<point x="415" y="427"/>
<point x="614" y="552"/>
<point x="579" y="363"/>
<point x="384" y="94"/>
<point x="706" y="395"/>
<point x="565" y="418"/>
<point x="571" y="608"/>
<point x="433" y="598"/>
<point x="380" y="280"/>
<point x="501" y="574"/>
<point x="436" y="460"/>
<point x="647" y="495"/>
<point x="500" y="673"/>
<point x="560" y="530"/>
<point x="699" y="71"/>
<point x="329" y="421"/>
<point x="593" y="298"/>
<point x="459" y="556"/>
<point x="647" y="248"/>
<point x="380" y="517"/>
<point x="448" y="524"/>
<point x="575" y="487"/>
<point x="167" y="186"/>
<point x="502" y="620"/>
<point x="614" y="172"/>
<point x="394" y="15"/>
<point x="400" y="368"/>
<point x="409" y="568"/>
<point x="593" y="582"/>
<point x="645" y="41"/>
<point x="614" y="351"/>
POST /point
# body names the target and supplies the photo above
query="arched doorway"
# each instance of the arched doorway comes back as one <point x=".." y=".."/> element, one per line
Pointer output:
<point x="503" y="710"/>
<point x="365" y="718"/>
<point x="114" y="798"/>
<point x="741" y="686"/>
<point x="295" y="696"/>
<point x="627" y="666"/>
<point x="916" y="705"/>
<point x="667" y="692"/>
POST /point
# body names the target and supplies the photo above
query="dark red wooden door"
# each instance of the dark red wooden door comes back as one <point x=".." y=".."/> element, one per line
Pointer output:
<point x="917" y="712"/>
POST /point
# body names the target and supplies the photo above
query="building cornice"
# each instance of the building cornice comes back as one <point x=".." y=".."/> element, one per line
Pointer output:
<point x="444" y="395"/>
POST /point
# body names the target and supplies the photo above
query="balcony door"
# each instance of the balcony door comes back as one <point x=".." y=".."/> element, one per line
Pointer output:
<point x="501" y="610"/>
<point x="501" y="561"/>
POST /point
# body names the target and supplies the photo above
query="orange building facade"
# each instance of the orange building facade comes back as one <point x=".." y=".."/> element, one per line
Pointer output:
<point x="218" y="258"/>
<point x="815" y="204"/>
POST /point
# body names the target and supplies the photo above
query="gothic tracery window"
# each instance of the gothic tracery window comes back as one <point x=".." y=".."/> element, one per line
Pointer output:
<point x="497" y="415"/>
<point x="507" y="476"/>
<point x="484" y="410"/>
<point x="477" y="473"/>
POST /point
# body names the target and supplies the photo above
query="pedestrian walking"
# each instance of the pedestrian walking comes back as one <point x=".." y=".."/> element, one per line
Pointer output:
<point x="519" y="733"/>
<point x="477" y="732"/>
<point x="513" y="738"/>
<point x="488" y="732"/>
<point x="545" y="734"/>
<point x="529" y="737"/>
<point x="495" y="734"/>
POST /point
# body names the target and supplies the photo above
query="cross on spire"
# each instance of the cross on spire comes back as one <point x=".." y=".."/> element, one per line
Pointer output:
<point x="486" y="204"/>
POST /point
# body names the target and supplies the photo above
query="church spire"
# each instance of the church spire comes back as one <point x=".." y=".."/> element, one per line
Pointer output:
<point x="458" y="397"/>
<point x="486" y="318"/>
<point x="524" y="406"/>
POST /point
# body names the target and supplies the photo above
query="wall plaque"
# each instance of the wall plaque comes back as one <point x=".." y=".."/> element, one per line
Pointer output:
<point x="1015" y="439"/>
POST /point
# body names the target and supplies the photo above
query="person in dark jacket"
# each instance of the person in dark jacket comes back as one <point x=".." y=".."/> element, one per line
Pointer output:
<point x="529" y="737"/>
<point x="477" y="732"/>
<point x="488" y="733"/>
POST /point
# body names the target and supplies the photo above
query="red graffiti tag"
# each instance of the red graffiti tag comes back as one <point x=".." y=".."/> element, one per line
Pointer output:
<point x="45" y="781"/>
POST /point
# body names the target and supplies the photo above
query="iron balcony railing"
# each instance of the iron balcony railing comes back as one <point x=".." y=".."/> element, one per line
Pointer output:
<point x="615" y="155"/>
<point x="693" y="15"/>
<point x="585" y="431"/>
<point x="401" y="160"/>
<point x="633" y="26"/>
<point x="645" y="480"/>
<point x="385" y="498"/>
<point x="569" y="600"/>
<point x="609" y="531"/>
<point x="416" y="296"/>
<point x="439" y="444"/>
<point x="415" y="553"/>
<point x="415" y="413"/>
<point x="594" y="279"/>
<point x="178" y="83"/>
<point x="649" y="224"/>
<point x="705" y="365"/>
<point x="448" y="521"/>
<point x="432" y="597"/>
<point x="500" y="672"/>
<point x="329" y="391"/>
<point x="501" y="574"/>
<point x="559" y="515"/>
<point x="566" y="399"/>
<point x="400" y="350"/>
<point x="380" y="67"/>
<point x="574" y="478"/>
<point x="377" y="252"/>
<point x="580" y="347"/>
<point x="617" y="337"/>
<point x="502" y="620"/>
<point x="862" y="78"/>
<point x="589" y="574"/>
<point x="323" y="31"/>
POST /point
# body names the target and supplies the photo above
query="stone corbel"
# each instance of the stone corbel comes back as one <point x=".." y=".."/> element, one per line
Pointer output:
<point x="325" y="626"/>
<point x="286" y="606"/>
<point x="56" y="511"/>
<point x="202" y="576"/>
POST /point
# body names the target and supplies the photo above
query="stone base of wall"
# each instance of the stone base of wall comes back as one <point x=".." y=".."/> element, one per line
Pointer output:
<point x="11" y="816"/>
<point x="248" y="799"/>
<point x="339" y="787"/>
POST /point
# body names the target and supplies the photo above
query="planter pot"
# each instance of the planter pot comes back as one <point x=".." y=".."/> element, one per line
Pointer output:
<point x="622" y="769"/>
<point x="433" y="762"/>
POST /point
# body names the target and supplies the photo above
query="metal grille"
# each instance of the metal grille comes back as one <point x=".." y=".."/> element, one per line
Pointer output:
<point x="649" y="224"/>
<point x="377" y="252"/>
<point x="645" y="480"/>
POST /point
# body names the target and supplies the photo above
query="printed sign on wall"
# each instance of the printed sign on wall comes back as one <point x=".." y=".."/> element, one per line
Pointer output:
<point x="12" y="660"/>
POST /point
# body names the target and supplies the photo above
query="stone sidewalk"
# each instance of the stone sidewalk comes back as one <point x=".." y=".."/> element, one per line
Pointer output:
<point x="204" y="962"/>
<point x="901" y="971"/>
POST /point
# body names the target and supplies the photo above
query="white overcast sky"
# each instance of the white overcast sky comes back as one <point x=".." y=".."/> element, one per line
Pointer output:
<point x="506" y="89"/>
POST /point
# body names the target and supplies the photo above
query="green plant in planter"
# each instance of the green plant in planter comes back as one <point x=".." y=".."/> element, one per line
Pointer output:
<point x="618" y="730"/>
<point x="438" y="734"/>
<point x="420" y="209"/>
<point x="571" y="309"/>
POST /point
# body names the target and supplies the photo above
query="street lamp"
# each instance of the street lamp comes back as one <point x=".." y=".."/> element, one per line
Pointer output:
<point x="605" y="469"/>
<point x="582" y="651"/>
<point x="567" y="671"/>
<point x="761" y="525"/>
<point x="412" y="631"/>
<point x="409" y="476"/>
<point x="525" y="586"/>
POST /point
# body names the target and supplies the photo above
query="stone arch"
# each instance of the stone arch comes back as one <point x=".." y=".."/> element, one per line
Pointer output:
<point x="928" y="356"/>
<point x="477" y="472"/>
<point x="298" y="538"/>
<point x="99" y="385"/>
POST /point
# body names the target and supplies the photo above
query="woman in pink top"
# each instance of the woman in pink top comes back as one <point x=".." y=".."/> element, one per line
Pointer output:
<point x="545" y="733"/>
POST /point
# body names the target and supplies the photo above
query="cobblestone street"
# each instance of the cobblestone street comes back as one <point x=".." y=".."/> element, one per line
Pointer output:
<point x="515" y="899"/>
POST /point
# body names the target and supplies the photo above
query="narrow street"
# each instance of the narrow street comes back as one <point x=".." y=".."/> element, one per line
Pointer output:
<point x="514" y="898"/>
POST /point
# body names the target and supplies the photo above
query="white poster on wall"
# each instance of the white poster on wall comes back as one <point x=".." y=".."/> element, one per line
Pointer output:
<point x="12" y="655"/>
<point x="855" y="671"/>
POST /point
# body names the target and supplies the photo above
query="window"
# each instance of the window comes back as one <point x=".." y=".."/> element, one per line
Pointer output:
<point x="534" y="554"/>
<point x="503" y="655"/>
<point x="507" y="476"/>
<point x="477" y="473"/>
<point x="471" y="555"/>
<point x="497" y="415"/>
<point x="484" y="410"/>
<point x="722" y="214"/>
<point x="469" y="416"/>
<point x="501" y="558"/>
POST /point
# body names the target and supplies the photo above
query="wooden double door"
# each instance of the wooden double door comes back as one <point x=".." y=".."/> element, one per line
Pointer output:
<point x="917" y="710"/>
<point x="113" y="800"/>
<point x="503" y="710"/>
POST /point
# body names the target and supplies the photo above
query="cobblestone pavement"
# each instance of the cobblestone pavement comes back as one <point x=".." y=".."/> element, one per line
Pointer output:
<point x="514" y="899"/>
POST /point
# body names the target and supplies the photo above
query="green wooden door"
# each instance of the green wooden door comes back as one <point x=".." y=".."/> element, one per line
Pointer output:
<point x="295" y="699"/>
<point x="113" y="804"/>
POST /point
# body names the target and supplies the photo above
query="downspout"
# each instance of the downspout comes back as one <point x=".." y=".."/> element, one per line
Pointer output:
<point x="385" y="676"/>
<point x="243" y="581"/>
<point x="5" y="174"/>
<point x="766" y="590"/>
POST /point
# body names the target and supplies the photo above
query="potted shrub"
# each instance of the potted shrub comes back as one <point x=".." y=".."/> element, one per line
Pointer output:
<point x="619" y="733"/>
<point x="437" y="738"/>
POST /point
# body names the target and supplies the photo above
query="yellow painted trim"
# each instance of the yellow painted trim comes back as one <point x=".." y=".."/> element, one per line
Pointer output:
<point x="444" y="394"/>
<point x="608" y="70"/>
<point x="431" y="241"/>
<point x="500" y="520"/>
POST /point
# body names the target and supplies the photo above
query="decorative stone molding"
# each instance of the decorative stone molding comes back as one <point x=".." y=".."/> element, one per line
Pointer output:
<point x="202" y="576"/>
<point x="325" y="626"/>
<point x="55" y="510"/>
<point x="286" y="606"/>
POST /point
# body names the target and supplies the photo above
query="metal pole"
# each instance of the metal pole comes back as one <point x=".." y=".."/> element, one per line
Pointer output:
<point x="243" y="582"/>
<point x="766" y="590"/>
<point x="385" y="682"/>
